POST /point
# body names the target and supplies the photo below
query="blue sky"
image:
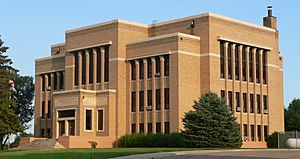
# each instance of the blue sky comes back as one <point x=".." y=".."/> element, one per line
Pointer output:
<point x="30" y="27"/>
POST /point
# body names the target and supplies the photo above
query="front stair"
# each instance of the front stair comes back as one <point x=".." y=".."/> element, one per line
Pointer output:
<point x="41" y="144"/>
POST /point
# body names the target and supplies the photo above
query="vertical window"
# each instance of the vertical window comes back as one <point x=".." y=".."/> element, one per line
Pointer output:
<point x="141" y="96"/>
<point x="43" y="109"/>
<point x="142" y="128"/>
<point x="252" y="132"/>
<point x="42" y="132"/>
<point x="133" y="102"/>
<point x="91" y="69"/>
<point x="133" y="128"/>
<point x="157" y="66"/>
<point x="141" y="69"/>
<point x="237" y="63"/>
<point x="133" y="70"/>
<point x="257" y="66"/>
<point x="158" y="127"/>
<point x="149" y="127"/>
<point x="167" y="98"/>
<point x="222" y="60"/>
<point x="149" y="68"/>
<point x="149" y="100"/>
<point x="49" y="82"/>
<point x="55" y="81"/>
<point x="157" y="98"/>
<point x="106" y="65"/>
<point x="229" y="62"/>
<point x="76" y="68"/>
<point x="223" y="94"/>
<point x="100" y="120"/>
<point x="245" y="105"/>
<point x="264" y="66"/>
<point x="244" y="64"/>
<point x="61" y="129"/>
<point x="230" y="100"/>
<point x="167" y="65"/>
<point x="251" y="103"/>
<point x="237" y="101"/>
<point x="61" y="85"/>
<point x="265" y="100"/>
<point x="83" y="69"/>
<point x="265" y="132"/>
<point x="167" y="127"/>
<point x="98" y="65"/>
<point x="245" y="126"/>
<point x="49" y="109"/>
<point x="251" y="65"/>
<point x="43" y="83"/>
<point x="258" y="104"/>
<point x="259" y="132"/>
<point x="88" y="119"/>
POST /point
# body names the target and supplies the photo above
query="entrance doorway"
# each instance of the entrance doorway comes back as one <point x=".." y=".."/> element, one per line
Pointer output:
<point x="71" y="124"/>
<point x="61" y="126"/>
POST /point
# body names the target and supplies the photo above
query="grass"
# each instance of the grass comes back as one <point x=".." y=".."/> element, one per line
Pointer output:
<point x="83" y="153"/>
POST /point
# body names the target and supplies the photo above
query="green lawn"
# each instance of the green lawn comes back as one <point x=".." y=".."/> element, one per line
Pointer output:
<point x="82" y="153"/>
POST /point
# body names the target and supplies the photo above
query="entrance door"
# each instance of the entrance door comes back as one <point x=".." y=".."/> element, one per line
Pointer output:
<point x="61" y="130"/>
<point x="71" y="124"/>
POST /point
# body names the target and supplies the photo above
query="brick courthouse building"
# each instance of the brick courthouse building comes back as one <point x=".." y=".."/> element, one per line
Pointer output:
<point x="121" y="77"/>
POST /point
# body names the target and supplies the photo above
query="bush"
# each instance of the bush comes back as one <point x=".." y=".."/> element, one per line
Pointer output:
<point x="93" y="144"/>
<point x="152" y="140"/>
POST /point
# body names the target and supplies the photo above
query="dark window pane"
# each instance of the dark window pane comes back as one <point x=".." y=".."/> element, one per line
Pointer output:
<point x="100" y="120"/>
<point x="133" y="102"/>
<point x="88" y="120"/>
<point x="158" y="101"/>
<point x="66" y="113"/>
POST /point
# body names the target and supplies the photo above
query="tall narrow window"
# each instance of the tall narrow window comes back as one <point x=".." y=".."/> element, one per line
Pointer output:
<point x="158" y="127"/>
<point x="91" y="73"/>
<point x="266" y="132"/>
<point x="167" y="65"/>
<point x="258" y="104"/>
<point x="229" y="62"/>
<point x="142" y="128"/>
<point x="167" y="98"/>
<point x="157" y="66"/>
<point x="237" y="63"/>
<point x="223" y="94"/>
<point x="88" y="119"/>
<point x="252" y="132"/>
<point x="43" y="109"/>
<point x="149" y="127"/>
<point x="265" y="101"/>
<point x="167" y="127"/>
<point x="230" y="102"/>
<point x="244" y="64"/>
<point x="264" y="67"/>
<point x="251" y="103"/>
<point x="141" y="96"/>
<point x="49" y="82"/>
<point x="259" y="132"/>
<point x="100" y="120"/>
<point x="133" y="102"/>
<point x="245" y="131"/>
<point x="141" y="63"/>
<point x="133" y="70"/>
<point x="62" y="76"/>
<point x="257" y="66"/>
<point x="237" y="101"/>
<point x="251" y="65"/>
<point x="245" y="105"/>
<point x="133" y="128"/>
<point x="55" y="81"/>
<point x="83" y="62"/>
<point x="157" y="98"/>
<point x="149" y="68"/>
<point x="49" y="109"/>
<point x="106" y="65"/>
<point x="98" y="65"/>
<point x="222" y="60"/>
<point x="149" y="100"/>
<point x="43" y="83"/>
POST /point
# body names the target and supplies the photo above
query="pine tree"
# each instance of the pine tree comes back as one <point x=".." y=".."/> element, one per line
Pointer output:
<point x="9" y="121"/>
<point x="211" y="124"/>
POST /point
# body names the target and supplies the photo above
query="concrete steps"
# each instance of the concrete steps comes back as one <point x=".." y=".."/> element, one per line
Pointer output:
<point x="41" y="144"/>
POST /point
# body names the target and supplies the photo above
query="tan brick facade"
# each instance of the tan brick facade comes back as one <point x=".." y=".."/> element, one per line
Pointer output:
<point x="121" y="77"/>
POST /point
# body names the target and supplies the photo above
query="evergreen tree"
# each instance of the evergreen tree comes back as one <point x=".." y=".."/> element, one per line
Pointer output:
<point x="9" y="121"/>
<point x="292" y="116"/>
<point x="211" y="124"/>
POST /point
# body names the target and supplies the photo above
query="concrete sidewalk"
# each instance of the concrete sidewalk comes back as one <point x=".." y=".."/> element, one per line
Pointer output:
<point x="217" y="154"/>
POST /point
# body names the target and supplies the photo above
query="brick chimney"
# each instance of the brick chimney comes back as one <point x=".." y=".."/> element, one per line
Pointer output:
<point x="270" y="21"/>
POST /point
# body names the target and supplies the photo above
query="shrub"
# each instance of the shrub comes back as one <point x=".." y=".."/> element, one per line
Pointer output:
<point x="93" y="144"/>
<point x="152" y="140"/>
